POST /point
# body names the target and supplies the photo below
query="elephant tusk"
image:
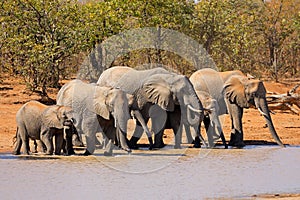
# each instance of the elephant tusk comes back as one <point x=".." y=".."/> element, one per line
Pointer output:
<point x="261" y="112"/>
<point x="194" y="109"/>
<point x="65" y="131"/>
<point x="133" y="116"/>
<point x="258" y="107"/>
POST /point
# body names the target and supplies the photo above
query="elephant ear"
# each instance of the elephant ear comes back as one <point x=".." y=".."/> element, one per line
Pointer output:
<point x="234" y="89"/>
<point x="52" y="117"/>
<point x="100" y="96"/>
<point x="256" y="87"/>
<point x="130" y="99"/>
<point x="157" y="91"/>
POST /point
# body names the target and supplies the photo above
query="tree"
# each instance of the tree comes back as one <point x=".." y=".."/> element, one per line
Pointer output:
<point x="39" y="37"/>
<point x="276" y="25"/>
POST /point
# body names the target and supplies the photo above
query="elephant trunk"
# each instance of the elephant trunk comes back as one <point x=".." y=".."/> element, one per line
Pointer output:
<point x="121" y="115"/>
<point x="193" y="115"/>
<point x="262" y="106"/>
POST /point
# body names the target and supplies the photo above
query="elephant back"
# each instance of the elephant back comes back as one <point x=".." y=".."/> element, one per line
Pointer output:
<point x="29" y="117"/>
<point x="209" y="80"/>
<point x="134" y="79"/>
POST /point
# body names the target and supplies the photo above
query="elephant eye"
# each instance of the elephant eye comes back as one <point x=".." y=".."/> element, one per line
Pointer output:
<point x="111" y="105"/>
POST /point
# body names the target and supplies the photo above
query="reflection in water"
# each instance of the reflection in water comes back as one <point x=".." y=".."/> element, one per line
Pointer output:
<point x="165" y="174"/>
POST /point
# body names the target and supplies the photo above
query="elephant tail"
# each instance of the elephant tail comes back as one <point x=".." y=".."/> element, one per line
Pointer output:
<point x="15" y="138"/>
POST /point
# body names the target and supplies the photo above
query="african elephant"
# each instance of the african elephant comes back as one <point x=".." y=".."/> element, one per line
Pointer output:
<point x="211" y="119"/>
<point x="163" y="96"/>
<point x="98" y="109"/>
<point x="40" y="122"/>
<point x="234" y="92"/>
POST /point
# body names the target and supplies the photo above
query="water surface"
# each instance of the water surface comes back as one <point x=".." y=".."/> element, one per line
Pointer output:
<point x="144" y="174"/>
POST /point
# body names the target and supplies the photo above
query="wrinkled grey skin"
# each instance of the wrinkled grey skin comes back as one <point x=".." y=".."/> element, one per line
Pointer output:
<point x="98" y="109"/>
<point x="158" y="94"/>
<point x="40" y="122"/>
<point x="234" y="92"/>
<point x="211" y="119"/>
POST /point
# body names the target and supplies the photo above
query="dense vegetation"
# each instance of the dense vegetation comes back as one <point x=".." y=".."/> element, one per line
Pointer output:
<point x="44" y="41"/>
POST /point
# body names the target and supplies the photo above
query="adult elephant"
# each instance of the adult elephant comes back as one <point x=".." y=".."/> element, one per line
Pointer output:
<point x="41" y="122"/>
<point x="98" y="109"/>
<point x="167" y="98"/>
<point x="234" y="92"/>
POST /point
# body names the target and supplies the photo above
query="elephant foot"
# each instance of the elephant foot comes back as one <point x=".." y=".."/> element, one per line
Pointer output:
<point x="197" y="142"/>
<point x="158" y="146"/>
<point x="106" y="153"/>
<point x="70" y="152"/>
<point x="236" y="140"/>
<point x="150" y="143"/>
<point x="177" y="146"/>
<point x="16" y="153"/>
<point x="86" y="153"/>
<point x="127" y="149"/>
<point x="132" y="143"/>
<point x="239" y="145"/>
<point x="197" y="145"/>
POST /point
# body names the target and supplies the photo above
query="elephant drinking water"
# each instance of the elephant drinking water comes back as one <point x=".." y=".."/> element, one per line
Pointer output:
<point x="234" y="92"/>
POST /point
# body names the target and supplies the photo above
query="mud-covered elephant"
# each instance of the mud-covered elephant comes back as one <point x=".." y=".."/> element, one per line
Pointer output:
<point x="211" y="119"/>
<point x="167" y="98"/>
<point x="41" y="122"/>
<point x="234" y="92"/>
<point x="98" y="109"/>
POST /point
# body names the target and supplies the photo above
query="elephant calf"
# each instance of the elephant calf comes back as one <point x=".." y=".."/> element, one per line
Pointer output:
<point x="211" y="119"/>
<point x="40" y="122"/>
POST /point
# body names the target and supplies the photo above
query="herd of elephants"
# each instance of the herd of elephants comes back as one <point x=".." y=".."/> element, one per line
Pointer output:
<point x="170" y="100"/>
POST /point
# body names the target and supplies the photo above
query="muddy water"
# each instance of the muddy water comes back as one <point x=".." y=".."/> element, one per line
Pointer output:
<point x="164" y="174"/>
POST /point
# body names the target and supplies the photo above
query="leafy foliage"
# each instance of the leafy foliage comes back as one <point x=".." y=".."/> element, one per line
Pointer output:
<point x="43" y="41"/>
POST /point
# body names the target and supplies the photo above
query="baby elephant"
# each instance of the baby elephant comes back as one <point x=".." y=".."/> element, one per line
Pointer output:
<point x="40" y="122"/>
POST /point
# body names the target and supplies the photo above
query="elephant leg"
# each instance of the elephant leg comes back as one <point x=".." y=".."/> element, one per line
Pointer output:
<point x="25" y="141"/>
<point x="177" y="129"/>
<point x="223" y="140"/>
<point x="198" y="139"/>
<point x="90" y="145"/>
<point x="137" y="134"/>
<point x="59" y="140"/>
<point x="109" y="148"/>
<point x="158" y="141"/>
<point x="76" y="137"/>
<point x="91" y="127"/>
<point x="209" y="131"/>
<point x="67" y="145"/>
<point x="46" y="138"/>
<point x="18" y="145"/>
<point x="159" y="119"/>
<point x="236" y="137"/>
<point x="141" y="120"/>
<point x="189" y="138"/>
